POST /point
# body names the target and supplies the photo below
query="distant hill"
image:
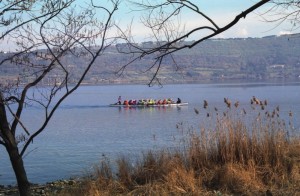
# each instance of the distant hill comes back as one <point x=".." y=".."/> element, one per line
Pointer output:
<point x="251" y="58"/>
<point x="267" y="58"/>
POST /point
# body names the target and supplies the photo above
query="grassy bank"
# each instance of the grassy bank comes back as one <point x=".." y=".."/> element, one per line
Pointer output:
<point x="236" y="155"/>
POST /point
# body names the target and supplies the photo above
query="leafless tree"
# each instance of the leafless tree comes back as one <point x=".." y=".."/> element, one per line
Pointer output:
<point x="169" y="35"/>
<point x="41" y="33"/>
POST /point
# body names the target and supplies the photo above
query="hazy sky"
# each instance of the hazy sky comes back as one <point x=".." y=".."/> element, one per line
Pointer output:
<point x="222" y="11"/>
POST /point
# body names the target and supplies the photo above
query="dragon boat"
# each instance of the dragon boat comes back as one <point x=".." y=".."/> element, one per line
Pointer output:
<point x="150" y="105"/>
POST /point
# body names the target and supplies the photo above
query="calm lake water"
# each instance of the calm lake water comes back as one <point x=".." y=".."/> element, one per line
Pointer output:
<point x="85" y="128"/>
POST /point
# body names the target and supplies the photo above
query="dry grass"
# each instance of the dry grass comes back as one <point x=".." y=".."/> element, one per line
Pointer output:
<point x="233" y="157"/>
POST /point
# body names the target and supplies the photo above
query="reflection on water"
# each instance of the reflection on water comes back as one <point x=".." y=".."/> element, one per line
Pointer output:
<point x="85" y="127"/>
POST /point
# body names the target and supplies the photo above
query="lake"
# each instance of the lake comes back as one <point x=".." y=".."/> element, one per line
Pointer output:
<point x="85" y="129"/>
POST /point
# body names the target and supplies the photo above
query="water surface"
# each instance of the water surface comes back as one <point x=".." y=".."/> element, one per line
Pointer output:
<point x="85" y="129"/>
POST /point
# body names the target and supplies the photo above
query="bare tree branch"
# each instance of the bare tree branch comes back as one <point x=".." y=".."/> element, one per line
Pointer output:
<point x="44" y="33"/>
<point x="19" y="121"/>
<point x="97" y="53"/>
<point x="283" y="11"/>
<point x="173" y="43"/>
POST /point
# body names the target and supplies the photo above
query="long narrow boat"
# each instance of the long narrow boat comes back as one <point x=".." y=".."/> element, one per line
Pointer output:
<point x="151" y="105"/>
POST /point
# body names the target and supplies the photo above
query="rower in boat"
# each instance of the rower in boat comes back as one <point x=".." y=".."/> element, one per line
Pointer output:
<point x="149" y="102"/>
<point x="178" y="101"/>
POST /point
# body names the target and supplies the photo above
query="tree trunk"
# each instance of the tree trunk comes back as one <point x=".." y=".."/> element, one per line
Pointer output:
<point x="8" y="137"/>
<point x="18" y="166"/>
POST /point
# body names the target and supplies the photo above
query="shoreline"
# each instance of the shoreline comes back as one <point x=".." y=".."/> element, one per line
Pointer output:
<point x="203" y="81"/>
<point x="49" y="188"/>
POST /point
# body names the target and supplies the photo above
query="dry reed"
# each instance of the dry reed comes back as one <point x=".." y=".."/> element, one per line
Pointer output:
<point x="235" y="157"/>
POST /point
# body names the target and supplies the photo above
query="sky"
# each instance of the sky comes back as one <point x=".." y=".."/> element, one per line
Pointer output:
<point x="222" y="12"/>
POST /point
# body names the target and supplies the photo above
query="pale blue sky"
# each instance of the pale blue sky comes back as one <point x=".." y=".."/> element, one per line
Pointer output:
<point x="222" y="11"/>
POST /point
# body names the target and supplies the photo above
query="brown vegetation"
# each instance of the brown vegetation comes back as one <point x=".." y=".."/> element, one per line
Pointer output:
<point x="230" y="158"/>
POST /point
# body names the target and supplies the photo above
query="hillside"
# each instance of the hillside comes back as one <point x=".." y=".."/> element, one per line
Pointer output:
<point x="265" y="58"/>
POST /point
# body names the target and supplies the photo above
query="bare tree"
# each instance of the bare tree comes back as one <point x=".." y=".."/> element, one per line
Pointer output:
<point x="164" y="22"/>
<point x="42" y="33"/>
